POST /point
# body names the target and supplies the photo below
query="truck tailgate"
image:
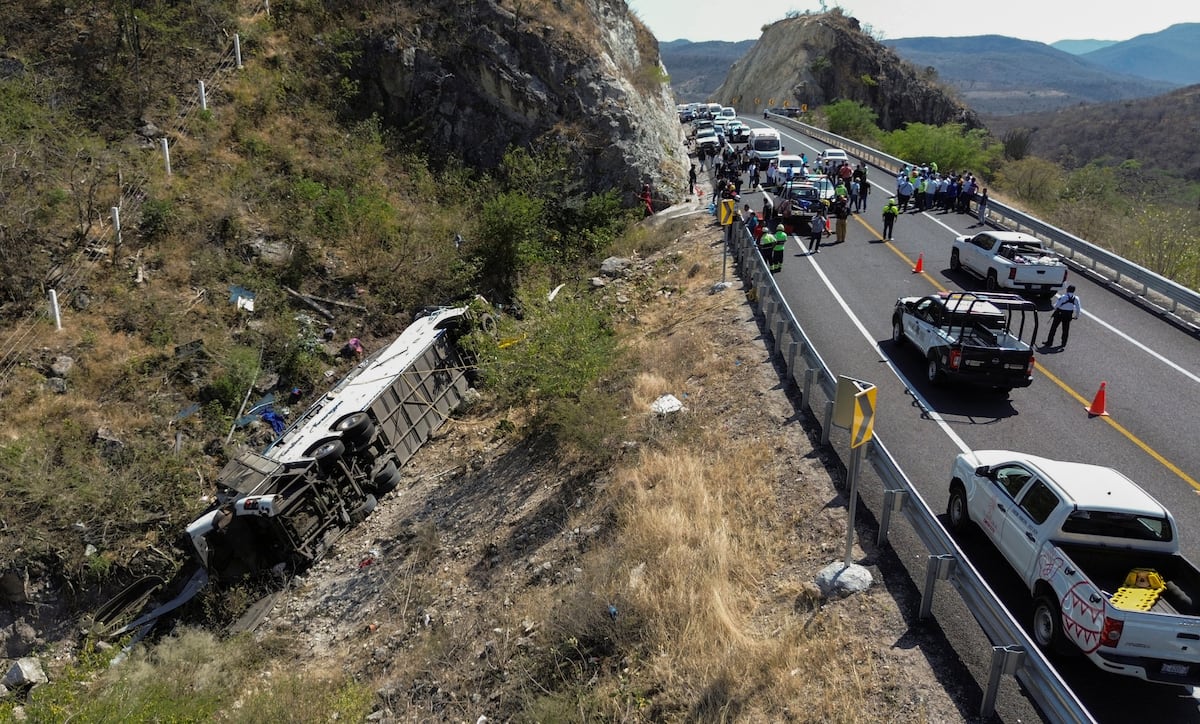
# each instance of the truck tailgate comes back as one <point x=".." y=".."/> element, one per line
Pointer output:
<point x="1002" y="367"/>
<point x="1039" y="275"/>
<point x="1166" y="645"/>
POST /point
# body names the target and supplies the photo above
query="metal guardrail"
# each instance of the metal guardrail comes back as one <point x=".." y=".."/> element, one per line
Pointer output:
<point x="1013" y="652"/>
<point x="1153" y="290"/>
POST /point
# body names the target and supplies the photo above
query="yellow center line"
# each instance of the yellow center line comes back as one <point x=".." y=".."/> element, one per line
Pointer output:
<point x="1062" y="385"/>
<point x="912" y="263"/>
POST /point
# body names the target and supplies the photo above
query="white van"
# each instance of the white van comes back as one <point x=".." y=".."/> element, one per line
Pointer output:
<point x="714" y="110"/>
<point x="764" y="144"/>
<point x="728" y="113"/>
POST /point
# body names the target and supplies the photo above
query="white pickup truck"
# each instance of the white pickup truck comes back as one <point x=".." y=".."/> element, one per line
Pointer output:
<point x="1010" y="260"/>
<point x="1099" y="555"/>
<point x="984" y="339"/>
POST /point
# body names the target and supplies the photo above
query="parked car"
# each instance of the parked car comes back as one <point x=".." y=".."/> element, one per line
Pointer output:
<point x="737" y="132"/>
<point x="834" y="155"/>
<point x="823" y="184"/>
<point x="706" y="138"/>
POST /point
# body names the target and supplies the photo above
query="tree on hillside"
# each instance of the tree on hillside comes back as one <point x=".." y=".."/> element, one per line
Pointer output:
<point x="951" y="147"/>
<point x="852" y="120"/>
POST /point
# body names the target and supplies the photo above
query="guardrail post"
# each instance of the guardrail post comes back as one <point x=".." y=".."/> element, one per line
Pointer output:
<point x="809" y="374"/>
<point x="892" y="500"/>
<point x="1005" y="660"/>
<point x="778" y="331"/>
<point x="792" y="350"/>
<point x="828" y="422"/>
<point x="937" y="569"/>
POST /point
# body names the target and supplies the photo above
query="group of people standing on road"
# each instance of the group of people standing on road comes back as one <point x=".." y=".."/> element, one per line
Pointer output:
<point x="928" y="190"/>
<point x="922" y="187"/>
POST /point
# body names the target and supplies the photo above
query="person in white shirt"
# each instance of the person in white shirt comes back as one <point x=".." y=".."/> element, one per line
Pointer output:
<point x="1066" y="308"/>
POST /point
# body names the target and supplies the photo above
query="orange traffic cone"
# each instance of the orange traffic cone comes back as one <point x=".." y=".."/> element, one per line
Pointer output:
<point x="920" y="267"/>
<point x="1097" y="408"/>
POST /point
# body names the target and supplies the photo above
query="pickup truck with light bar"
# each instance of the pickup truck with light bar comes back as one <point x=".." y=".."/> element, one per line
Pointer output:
<point x="975" y="337"/>
<point x="1010" y="260"/>
<point x="1100" y="556"/>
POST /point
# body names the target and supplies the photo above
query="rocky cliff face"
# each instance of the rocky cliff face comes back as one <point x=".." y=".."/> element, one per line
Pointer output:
<point x="473" y="77"/>
<point x="817" y="59"/>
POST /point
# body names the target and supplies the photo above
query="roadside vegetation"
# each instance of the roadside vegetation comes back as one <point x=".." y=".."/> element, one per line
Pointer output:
<point x="1144" y="214"/>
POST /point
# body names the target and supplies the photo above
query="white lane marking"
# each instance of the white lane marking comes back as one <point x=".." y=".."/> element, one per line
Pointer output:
<point x="933" y="415"/>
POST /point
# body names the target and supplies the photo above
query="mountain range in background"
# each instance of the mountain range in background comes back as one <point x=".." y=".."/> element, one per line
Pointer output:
<point x="698" y="69"/>
<point x="1079" y="47"/>
<point x="996" y="74"/>
<point x="1116" y="131"/>
<point x="1171" y="55"/>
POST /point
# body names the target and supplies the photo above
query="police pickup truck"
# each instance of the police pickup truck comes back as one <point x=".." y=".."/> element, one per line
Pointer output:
<point x="984" y="339"/>
<point x="1099" y="555"/>
<point x="1010" y="260"/>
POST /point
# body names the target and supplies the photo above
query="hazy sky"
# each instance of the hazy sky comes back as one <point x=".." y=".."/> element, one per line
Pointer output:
<point x="1041" y="20"/>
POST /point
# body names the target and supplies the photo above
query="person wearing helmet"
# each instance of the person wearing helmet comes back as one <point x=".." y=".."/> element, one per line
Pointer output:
<point x="890" y="211"/>
<point x="779" y="247"/>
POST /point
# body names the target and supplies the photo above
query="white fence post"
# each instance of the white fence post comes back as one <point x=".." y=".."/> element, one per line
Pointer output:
<point x="116" y="219"/>
<point x="203" y="98"/>
<point x="237" y="49"/>
<point x="55" y="310"/>
<point x="166" y="154"/>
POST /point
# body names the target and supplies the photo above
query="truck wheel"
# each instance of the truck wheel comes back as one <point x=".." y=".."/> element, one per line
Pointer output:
<point x="897" y="331"/>
<point x="364" y="509"/>
<point x="356" y="428"/>
<point x="992" y="283"/>
<point x="1047" y="625"/>
<point x="386" y="480"/>
<point x="932" y="371"/>
<point x="956" y="509"/>
<point x="327" y="452"/>
<point x="955" y="263"/>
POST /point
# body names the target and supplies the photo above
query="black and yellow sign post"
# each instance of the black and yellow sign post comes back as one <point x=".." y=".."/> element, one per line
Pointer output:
<point x="854" y="410"/>
<point x="728" y="210"/>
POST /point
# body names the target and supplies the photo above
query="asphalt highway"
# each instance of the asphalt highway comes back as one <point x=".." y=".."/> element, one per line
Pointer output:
<point x="843" y="298"/>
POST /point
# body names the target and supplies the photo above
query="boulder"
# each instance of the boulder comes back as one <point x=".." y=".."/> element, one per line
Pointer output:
<point x="842" y="580"/>
<point x="25" y="672"/>
<point x="62" y="365"/>
<point x="614" y="266"/>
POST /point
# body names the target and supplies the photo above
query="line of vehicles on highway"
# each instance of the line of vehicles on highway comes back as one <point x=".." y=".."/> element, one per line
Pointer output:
<point x="1100" y="556"/>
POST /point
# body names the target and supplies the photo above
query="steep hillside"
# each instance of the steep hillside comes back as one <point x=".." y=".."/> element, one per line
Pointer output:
<point x="1158" y="132"/>
<point x="584" y="71"/>
<point x="354" y="155"/>
<point x="997" y="75"/>
<point x="698" y="69"/>
<point x="818" y="58"/>
<point x="1171" y="55"/>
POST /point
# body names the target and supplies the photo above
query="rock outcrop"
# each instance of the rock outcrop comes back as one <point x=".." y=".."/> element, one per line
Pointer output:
<point x="820" y="58"/>
<point x="471" y="79"/>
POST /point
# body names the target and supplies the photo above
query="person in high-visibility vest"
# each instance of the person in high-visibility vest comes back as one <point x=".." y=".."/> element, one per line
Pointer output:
<point x="890" y="211"/>
<point x="778" y="249"/>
